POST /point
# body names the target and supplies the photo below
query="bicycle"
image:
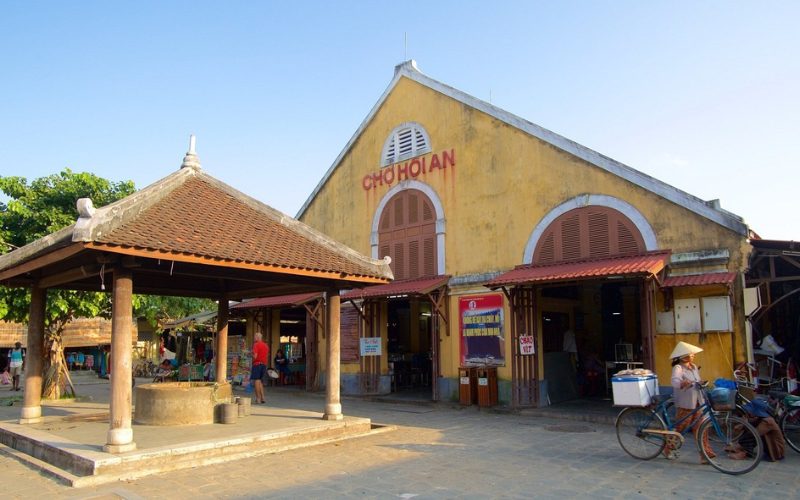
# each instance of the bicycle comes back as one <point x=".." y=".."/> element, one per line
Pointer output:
<point x="783" y="406"/>
<point x="790" y="421"/>
<point x="735" y="446"/>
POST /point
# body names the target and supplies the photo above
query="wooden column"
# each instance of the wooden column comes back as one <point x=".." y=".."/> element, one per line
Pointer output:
<point x="120" y="434"/>
<point x="32" y="399"/>
<point x="333" y="405"/>
<point x="221" y="353"/>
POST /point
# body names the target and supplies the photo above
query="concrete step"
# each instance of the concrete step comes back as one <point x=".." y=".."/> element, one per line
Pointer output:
<point x="80" y="465"/>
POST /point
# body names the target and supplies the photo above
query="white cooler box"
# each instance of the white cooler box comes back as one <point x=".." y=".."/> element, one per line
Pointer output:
<point x="634" y="390"/>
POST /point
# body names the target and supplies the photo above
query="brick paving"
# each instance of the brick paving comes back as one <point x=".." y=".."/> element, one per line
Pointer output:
<point x="439" y="451"/>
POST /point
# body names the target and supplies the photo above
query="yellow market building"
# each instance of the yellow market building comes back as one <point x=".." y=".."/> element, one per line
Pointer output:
<point x="512" y="248"/>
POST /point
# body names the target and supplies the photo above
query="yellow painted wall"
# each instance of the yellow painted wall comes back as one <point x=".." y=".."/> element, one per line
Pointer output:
<point x="503" y="183"/>
<point x="714" y="362"/>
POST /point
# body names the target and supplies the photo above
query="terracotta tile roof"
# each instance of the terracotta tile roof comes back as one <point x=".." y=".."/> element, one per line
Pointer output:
<point x="407" y="287"/>
<point x="192" y="214"/>
<point x="279" y="301"/>
<point x="699" y="279"/>
<point x="645" y="264"/>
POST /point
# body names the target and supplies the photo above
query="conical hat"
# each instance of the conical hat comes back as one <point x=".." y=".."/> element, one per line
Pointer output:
<point x="684" y="348"/>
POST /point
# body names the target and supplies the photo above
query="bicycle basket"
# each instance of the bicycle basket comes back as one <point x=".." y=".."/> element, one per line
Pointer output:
<point x="747" y="392"/>
<point x="723" y="399"/>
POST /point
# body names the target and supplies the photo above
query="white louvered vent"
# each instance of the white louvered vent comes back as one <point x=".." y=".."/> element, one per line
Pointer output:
<point x="406" y="141"/>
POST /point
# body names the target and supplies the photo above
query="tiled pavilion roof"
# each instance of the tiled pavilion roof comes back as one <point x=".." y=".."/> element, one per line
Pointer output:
<point x="178" y="235"/>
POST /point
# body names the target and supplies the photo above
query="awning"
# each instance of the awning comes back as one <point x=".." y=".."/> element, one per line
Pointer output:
<point x="418" y="286"/>
<point x="700" y="279"/>
<point x="295" y="300"/>
<point x="627" y="266"/>
<point x="200" y="317"/>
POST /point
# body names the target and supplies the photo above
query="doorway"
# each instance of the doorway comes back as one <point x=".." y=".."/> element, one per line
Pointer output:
<point x="589" y="330"/>
<point x="409" y="347"/>
<point x="292" y="342"/>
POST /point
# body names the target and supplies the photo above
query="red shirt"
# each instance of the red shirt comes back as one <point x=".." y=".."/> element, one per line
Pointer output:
<point x="260" y="353"/>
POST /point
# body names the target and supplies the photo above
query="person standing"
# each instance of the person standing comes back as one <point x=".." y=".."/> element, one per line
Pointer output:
<point x="16" y="362"/>
<point x="259" y="368"/>
<point x="282" y="365"/>
<point x="685" y="374"/>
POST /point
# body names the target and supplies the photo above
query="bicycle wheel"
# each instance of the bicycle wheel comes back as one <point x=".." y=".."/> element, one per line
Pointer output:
<point x="735" y="449"/>
<point x="790" y="426"/>
<point x="630" y="425"/>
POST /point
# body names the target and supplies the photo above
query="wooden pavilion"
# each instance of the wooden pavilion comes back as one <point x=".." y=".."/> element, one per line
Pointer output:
<point x="186" y="235"/>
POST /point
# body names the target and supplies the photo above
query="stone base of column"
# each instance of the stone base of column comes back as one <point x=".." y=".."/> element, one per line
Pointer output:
<point x="119" y="440"/>
<point x="119" y="448"/>
<point x="30" y="415"/>
<point x="333" y="411"/>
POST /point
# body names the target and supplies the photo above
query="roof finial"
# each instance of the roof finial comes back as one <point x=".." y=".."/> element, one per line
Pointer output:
<point x="191" y="160"/>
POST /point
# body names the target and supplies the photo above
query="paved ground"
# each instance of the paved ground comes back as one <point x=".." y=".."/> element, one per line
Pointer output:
<point x="438" y="451"/>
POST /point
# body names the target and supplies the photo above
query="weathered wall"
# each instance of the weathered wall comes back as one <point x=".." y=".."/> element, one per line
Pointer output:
<point x="503" y="183"/>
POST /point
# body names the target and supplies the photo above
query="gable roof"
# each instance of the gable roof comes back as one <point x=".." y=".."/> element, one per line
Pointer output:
<point x="707" y="209"/>
<point x="193" y="218"/>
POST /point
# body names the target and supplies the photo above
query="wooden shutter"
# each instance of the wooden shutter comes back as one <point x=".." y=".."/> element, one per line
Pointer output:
<point x="348" y="327"/>
<point x="408" y="235"/>
<point x="588" y="233"/>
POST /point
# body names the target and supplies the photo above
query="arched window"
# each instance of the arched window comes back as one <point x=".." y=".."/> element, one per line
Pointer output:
<point x="406" y="141"/>
<point x="407" y="234"/>
<point x="592" y="232"/>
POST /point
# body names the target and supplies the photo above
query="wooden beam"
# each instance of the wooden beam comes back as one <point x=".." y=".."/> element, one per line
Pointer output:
<point x="44" y="260"/>
<point x="758" y="281"/>
<point x="359" y="310"/>
<point x="69" y="275"/>
<point x="218" y="262"/>
<point x="791" y="261"/>
<point x="315" y="311"/>
<point x="437" y="302"/>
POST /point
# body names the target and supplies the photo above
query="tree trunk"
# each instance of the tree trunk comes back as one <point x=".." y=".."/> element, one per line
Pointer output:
<point x="56" y="381"/>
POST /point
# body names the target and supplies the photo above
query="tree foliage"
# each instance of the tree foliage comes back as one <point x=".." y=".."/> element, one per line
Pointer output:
<point x="42" y="207"/>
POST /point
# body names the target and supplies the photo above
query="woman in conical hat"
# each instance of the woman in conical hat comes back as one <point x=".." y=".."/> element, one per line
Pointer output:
<point x="684" y="375"/>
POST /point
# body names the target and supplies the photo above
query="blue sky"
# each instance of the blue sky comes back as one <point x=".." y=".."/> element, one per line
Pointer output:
<point x="701" y="95"/>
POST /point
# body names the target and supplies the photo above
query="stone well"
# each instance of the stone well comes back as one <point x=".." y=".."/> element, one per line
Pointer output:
<point x="179" y="403"/>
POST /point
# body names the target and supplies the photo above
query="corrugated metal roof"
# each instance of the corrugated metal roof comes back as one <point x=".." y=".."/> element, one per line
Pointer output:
<point x="700" y="279"/>
<point x="200" y="317"/>
<point x="279" y="301"/>
<point x="646" y="264"/>
<point x="407" y="287"/>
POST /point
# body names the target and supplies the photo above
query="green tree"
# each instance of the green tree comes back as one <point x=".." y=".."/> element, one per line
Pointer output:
<point x="35" y="210"/>
<point x="40" y="208"/>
